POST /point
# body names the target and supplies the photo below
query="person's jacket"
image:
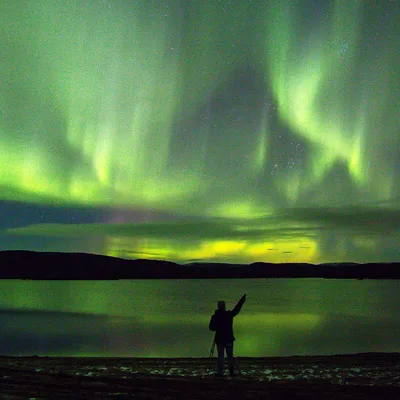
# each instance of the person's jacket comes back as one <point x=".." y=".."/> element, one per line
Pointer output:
<point x="222" y="323"/>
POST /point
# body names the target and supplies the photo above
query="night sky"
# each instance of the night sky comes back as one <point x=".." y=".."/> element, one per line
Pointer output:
<point x="215" y="130"/>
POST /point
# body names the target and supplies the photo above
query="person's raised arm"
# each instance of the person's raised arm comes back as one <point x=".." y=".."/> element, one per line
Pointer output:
<point x="239" y="305"/>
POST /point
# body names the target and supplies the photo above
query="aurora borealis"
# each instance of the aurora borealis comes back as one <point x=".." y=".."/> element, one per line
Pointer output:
<point x="228" y="131"/>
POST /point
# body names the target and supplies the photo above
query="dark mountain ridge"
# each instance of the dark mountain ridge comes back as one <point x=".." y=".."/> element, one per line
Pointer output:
<point x="22" y="264"/>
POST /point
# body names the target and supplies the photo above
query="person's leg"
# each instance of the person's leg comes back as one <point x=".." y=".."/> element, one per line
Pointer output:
<point x="231" y="360"/>
<point x="221" y="363"/>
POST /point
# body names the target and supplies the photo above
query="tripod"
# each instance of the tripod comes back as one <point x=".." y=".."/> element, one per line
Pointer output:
<point x="211" y="355"/>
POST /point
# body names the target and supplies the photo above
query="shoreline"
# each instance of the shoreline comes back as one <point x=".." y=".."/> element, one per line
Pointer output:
<point x="364" y="375"/>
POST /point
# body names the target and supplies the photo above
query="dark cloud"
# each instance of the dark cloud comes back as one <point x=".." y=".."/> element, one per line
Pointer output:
<point x="355" y="219"/>
<point x="287" y="223"/>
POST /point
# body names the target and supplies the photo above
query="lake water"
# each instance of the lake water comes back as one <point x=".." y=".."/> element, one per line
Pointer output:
<point x="153" y="318"/>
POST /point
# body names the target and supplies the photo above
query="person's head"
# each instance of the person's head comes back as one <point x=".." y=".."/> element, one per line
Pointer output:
<point x="221" y="305"/>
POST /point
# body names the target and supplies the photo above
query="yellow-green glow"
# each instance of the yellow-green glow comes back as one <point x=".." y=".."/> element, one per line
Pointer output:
<point x="311" y="74"/>
<point x="297" y="250"/>
<point x="212" y="110"/>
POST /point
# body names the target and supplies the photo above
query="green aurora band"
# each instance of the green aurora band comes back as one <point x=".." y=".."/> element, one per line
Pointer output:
<point x="178" y="106"/>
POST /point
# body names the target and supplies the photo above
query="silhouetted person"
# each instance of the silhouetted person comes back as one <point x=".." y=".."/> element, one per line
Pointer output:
<point x="222" y="323"/>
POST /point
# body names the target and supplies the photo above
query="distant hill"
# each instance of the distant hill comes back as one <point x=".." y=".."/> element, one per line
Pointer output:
<point x="20" y="264"/>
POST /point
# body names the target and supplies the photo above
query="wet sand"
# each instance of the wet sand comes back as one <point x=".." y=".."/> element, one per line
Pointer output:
<point x="360" y="376"/>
